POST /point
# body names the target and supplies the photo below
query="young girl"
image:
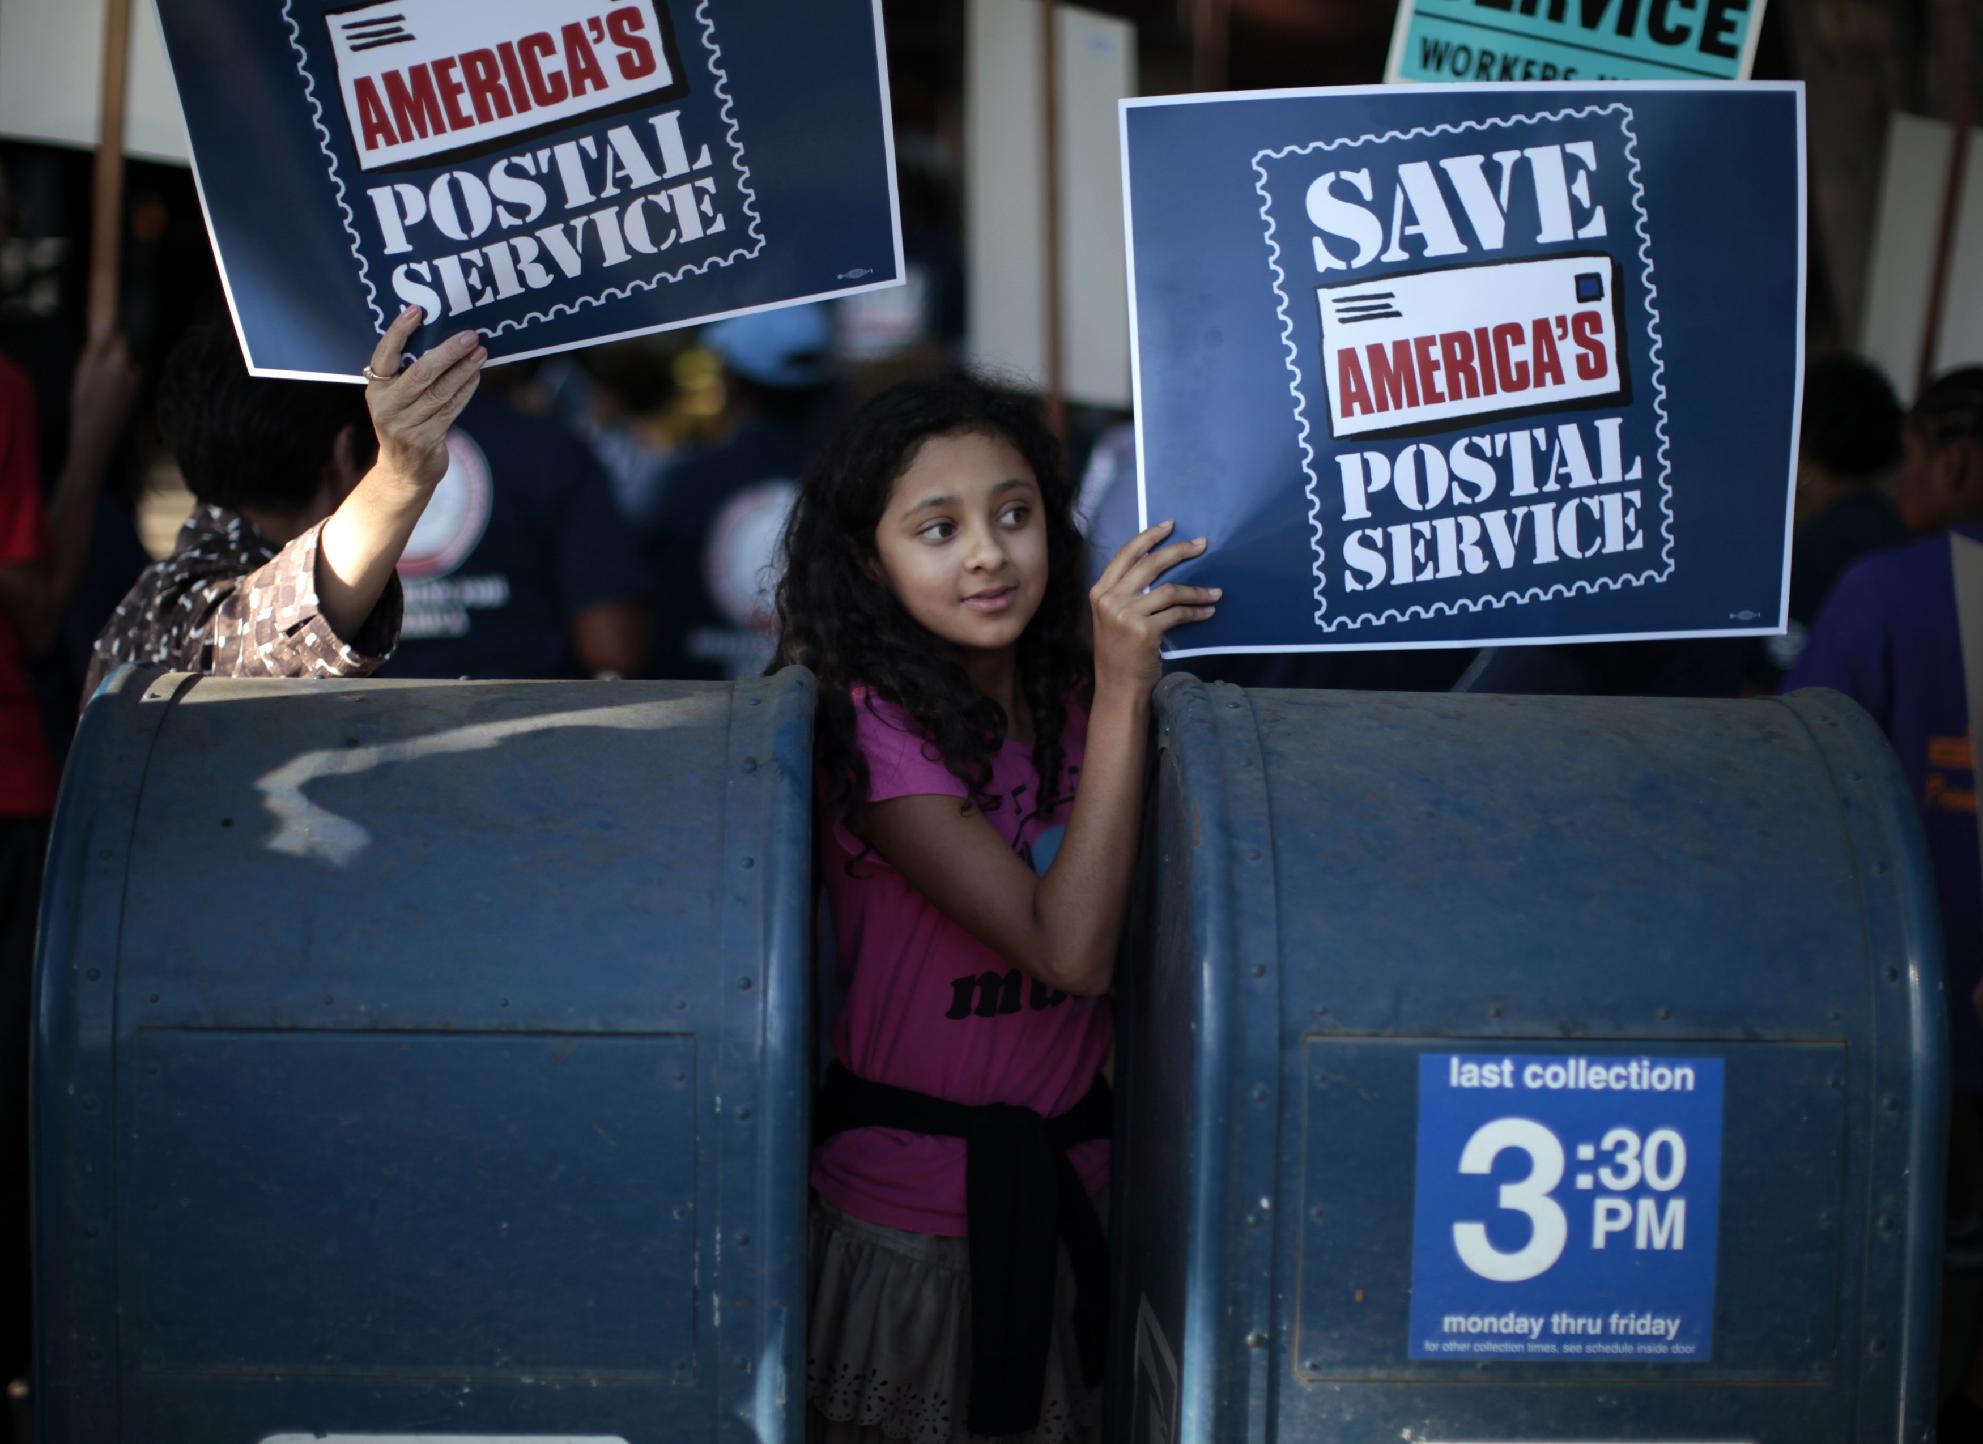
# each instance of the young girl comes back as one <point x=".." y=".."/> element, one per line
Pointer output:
<point x="980" y="779"/>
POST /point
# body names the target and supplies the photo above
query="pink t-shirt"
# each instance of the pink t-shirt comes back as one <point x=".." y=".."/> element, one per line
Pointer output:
<point x="926" y="1006"/>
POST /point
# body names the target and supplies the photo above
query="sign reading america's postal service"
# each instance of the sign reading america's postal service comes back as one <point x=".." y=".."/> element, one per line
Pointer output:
<point x="549" y="173"/>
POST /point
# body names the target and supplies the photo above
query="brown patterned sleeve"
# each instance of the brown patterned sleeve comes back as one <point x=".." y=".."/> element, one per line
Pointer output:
<point x="268" y="623"/>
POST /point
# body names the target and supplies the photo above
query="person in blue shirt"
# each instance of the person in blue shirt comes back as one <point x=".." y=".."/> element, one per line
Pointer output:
<point x="522" y="565"/>
<point x="714" y="532"/>
<point x="1890" y="636"/>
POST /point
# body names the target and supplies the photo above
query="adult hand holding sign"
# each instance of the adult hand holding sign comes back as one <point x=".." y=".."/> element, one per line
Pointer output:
<point x="412" y="410"/>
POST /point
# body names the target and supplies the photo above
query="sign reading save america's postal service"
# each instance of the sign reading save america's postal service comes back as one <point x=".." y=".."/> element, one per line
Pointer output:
<point x="1456" y="365"/>
<point x="549" y="173"/>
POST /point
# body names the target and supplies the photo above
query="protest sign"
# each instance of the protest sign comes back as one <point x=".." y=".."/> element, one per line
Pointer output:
<point x="551" y="173"/>
<point x="1458" y="365"/>
<point x="1528" y="40"/>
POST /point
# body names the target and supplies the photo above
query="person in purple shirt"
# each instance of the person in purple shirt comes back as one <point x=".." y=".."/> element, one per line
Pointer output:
<point x="1849" y="446"/>
<point x="1890" y="637"/>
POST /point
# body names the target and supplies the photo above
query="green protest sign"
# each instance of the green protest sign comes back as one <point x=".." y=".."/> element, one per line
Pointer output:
<point x="1531" y="40"/>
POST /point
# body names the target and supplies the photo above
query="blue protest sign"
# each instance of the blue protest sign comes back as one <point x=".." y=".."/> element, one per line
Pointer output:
<point x="550" y="173"/>
<point x="1566" y="1207"/>
<point x="1523" y="40"/>
<point x="1448" y="365"/>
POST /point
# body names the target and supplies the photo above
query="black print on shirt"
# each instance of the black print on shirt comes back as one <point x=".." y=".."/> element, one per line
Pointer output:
<point x="986" y="995"/>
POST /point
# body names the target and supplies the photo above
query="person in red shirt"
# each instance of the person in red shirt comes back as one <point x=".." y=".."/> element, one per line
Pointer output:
<point x="27" y="779"/>
<point x="41" y="557"/>
<point x="42" y="550"/>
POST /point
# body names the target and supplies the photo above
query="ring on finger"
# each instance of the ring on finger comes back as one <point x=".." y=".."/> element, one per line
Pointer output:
<point x="370" y="375"/>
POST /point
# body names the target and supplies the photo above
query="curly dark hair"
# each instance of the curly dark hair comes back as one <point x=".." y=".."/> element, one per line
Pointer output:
<point x="839" y="619"/>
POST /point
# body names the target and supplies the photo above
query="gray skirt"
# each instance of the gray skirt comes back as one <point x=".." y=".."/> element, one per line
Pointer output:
<point x="888" y="1341"/>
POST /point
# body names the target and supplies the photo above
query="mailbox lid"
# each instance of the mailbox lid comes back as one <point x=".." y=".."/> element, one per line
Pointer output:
<point x="502" y="855"/>
<point x="1564" y="865"/>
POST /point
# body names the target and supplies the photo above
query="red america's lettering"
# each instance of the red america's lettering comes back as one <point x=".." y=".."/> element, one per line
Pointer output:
<point x="457" y="93"/>
<point x="636" y="58"/>
<point x="1461" y="365"/>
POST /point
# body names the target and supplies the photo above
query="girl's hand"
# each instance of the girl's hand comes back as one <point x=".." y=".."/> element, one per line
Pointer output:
<point x="413" y="409"/>
<point x="1130" y="622"/>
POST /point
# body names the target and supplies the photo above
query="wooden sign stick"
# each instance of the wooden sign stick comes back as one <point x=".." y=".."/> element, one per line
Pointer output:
<point x="1050" y="179"/>
<point x="107" y="204"/>
<point x="1938" y="277"/>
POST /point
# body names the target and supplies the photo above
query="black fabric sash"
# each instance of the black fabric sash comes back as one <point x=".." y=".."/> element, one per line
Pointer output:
<point x="1022" y="1198"/>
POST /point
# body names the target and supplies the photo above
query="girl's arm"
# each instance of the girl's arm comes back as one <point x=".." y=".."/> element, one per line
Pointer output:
<point x="1062" y="928"/>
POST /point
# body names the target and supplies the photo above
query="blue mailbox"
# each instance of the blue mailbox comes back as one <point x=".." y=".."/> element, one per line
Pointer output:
<point x="425" y="1059"/>
<point x="1535" y="1069"/>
